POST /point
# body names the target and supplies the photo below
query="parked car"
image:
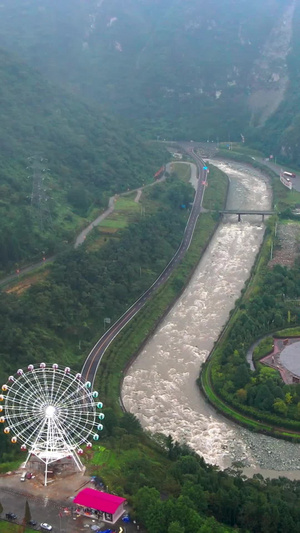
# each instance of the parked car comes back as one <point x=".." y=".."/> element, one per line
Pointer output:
<point x="11" y="516"/>
<point x="32" y="523"/>
<point x="23" y="477"/>
<point x="45" y="527"/>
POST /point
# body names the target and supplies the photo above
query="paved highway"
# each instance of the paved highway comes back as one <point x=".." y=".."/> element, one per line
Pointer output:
<point x="93" y="360"/>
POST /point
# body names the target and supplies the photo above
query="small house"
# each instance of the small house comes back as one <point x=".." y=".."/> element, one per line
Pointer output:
<point x="101" y="505"/>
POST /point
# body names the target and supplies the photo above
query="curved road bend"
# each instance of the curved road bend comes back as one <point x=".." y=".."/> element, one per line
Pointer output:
<point x="93" y="360"/>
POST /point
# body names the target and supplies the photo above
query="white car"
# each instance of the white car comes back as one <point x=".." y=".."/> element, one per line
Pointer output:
<point x="45" y="527"/>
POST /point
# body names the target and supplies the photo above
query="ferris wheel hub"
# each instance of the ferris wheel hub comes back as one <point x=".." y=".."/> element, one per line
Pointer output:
<point x="50" y="411"/>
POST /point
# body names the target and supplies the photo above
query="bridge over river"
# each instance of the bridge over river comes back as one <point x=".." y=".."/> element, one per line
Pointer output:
<point x="240" y="212"/>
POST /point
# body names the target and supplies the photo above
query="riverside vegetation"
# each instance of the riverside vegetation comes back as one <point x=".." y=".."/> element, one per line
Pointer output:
<point x="63" y="314"/>
<point x="196" y="496"/>
<point x="259" y="400"/>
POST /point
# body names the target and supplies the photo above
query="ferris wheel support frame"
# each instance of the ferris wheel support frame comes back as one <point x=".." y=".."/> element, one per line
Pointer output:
<point x="53" y="412"/>
<point x="47" y="461"/>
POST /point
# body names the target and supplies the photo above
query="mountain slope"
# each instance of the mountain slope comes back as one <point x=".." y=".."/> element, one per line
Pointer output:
<point x="281" y="133"/>
<point x="59" y="158"/>
<point x="184" y="68"/>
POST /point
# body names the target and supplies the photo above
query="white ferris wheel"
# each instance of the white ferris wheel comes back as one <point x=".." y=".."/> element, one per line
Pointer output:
<point x="51" y="412"/>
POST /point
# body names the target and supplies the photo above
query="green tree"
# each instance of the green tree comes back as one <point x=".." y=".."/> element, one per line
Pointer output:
<point x="288" y="398"/>
<point x="175" y="527"/>
<point x="241" y="395"/>
<point x="131" y="423"/>
<point x="280" y="407"/>
<point x="110" y="420"/>
<point x="297" y="414"/>
<point x="241" y="376"/>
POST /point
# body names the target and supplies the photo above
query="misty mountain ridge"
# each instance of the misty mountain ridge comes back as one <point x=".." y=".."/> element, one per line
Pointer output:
<point x="176" y="69"/>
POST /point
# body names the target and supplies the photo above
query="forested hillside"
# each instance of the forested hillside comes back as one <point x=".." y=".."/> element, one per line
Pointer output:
<point x="180" y="69"/>
<point x="281" y="133"/>
<point x="59" y="159"/>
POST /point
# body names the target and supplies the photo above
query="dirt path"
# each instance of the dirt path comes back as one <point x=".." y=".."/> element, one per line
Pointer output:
<point x="83" y="234"/>
<point x="138" y="195"/>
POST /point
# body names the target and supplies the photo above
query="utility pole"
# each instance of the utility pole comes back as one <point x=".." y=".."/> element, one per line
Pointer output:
<point x="39" y="197"/>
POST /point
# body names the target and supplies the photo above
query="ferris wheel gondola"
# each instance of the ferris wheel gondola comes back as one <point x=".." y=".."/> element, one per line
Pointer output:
<point x="51" y="412"/>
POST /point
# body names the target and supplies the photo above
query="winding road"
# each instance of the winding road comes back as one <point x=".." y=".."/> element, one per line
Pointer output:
<point x="93" y="360"/>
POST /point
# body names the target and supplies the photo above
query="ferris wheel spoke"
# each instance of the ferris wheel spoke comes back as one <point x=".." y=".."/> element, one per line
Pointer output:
<point x="31" y="427"/>
<point x="24" y="409"/>
<point x="66" y="435"/>
<point x="14" y="418"/>
<point x="21" y="390"/>
<point x="35" y="438"/>
<point x="33" y="384"/>
<point x="53" y="385"/>
<point x="21" y="401"/>
<point x="46" y="386"/>
<point x="74" y="398"/>
<point x="68" y="387"/>
<point x="72" y="422"/>
<point x="88" y="428"/>
<point x="50" y="410"/>
<point x="76" y="415"/>
<point x="74" y="406"/>
<point x="75" y="439"/>
<point x="60" y="385"/>
<point x="22" y="420"/>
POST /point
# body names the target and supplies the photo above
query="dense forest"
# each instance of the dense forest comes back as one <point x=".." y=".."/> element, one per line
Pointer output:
<point x="280" y="135"/>
<point x="261" y="394"/>
<point x="178" y="69"/>
<point x="61" y="317"/>
<point x="174" y="491"/>
<point x="85" y="89"/>
<point x="60" y="159"/>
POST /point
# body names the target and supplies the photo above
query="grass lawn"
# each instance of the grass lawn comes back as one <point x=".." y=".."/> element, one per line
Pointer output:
<point x="116" y="220"/>
<point x="10" y="527"/>
<point x="104" y="457"/>
<point x="115" y="462"/>
<point x="182" y="170"/>
<point x="289" y="332"/>
<point x="263" y="348"/>
<point x="127" y="203"/>
<point x="242" y="149"/>
<point x="215" y="192"/>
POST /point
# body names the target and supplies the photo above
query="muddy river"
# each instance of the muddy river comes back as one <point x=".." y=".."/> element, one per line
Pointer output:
<point x="160" y="387"/>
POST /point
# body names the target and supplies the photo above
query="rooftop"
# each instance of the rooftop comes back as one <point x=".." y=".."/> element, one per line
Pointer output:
<point x="101" y="501"/>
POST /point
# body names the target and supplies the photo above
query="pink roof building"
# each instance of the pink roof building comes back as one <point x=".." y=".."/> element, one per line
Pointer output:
<point x="108" y="506"/>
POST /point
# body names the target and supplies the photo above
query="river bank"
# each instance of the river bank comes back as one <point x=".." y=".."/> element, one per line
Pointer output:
<point x="160" y="387"/>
